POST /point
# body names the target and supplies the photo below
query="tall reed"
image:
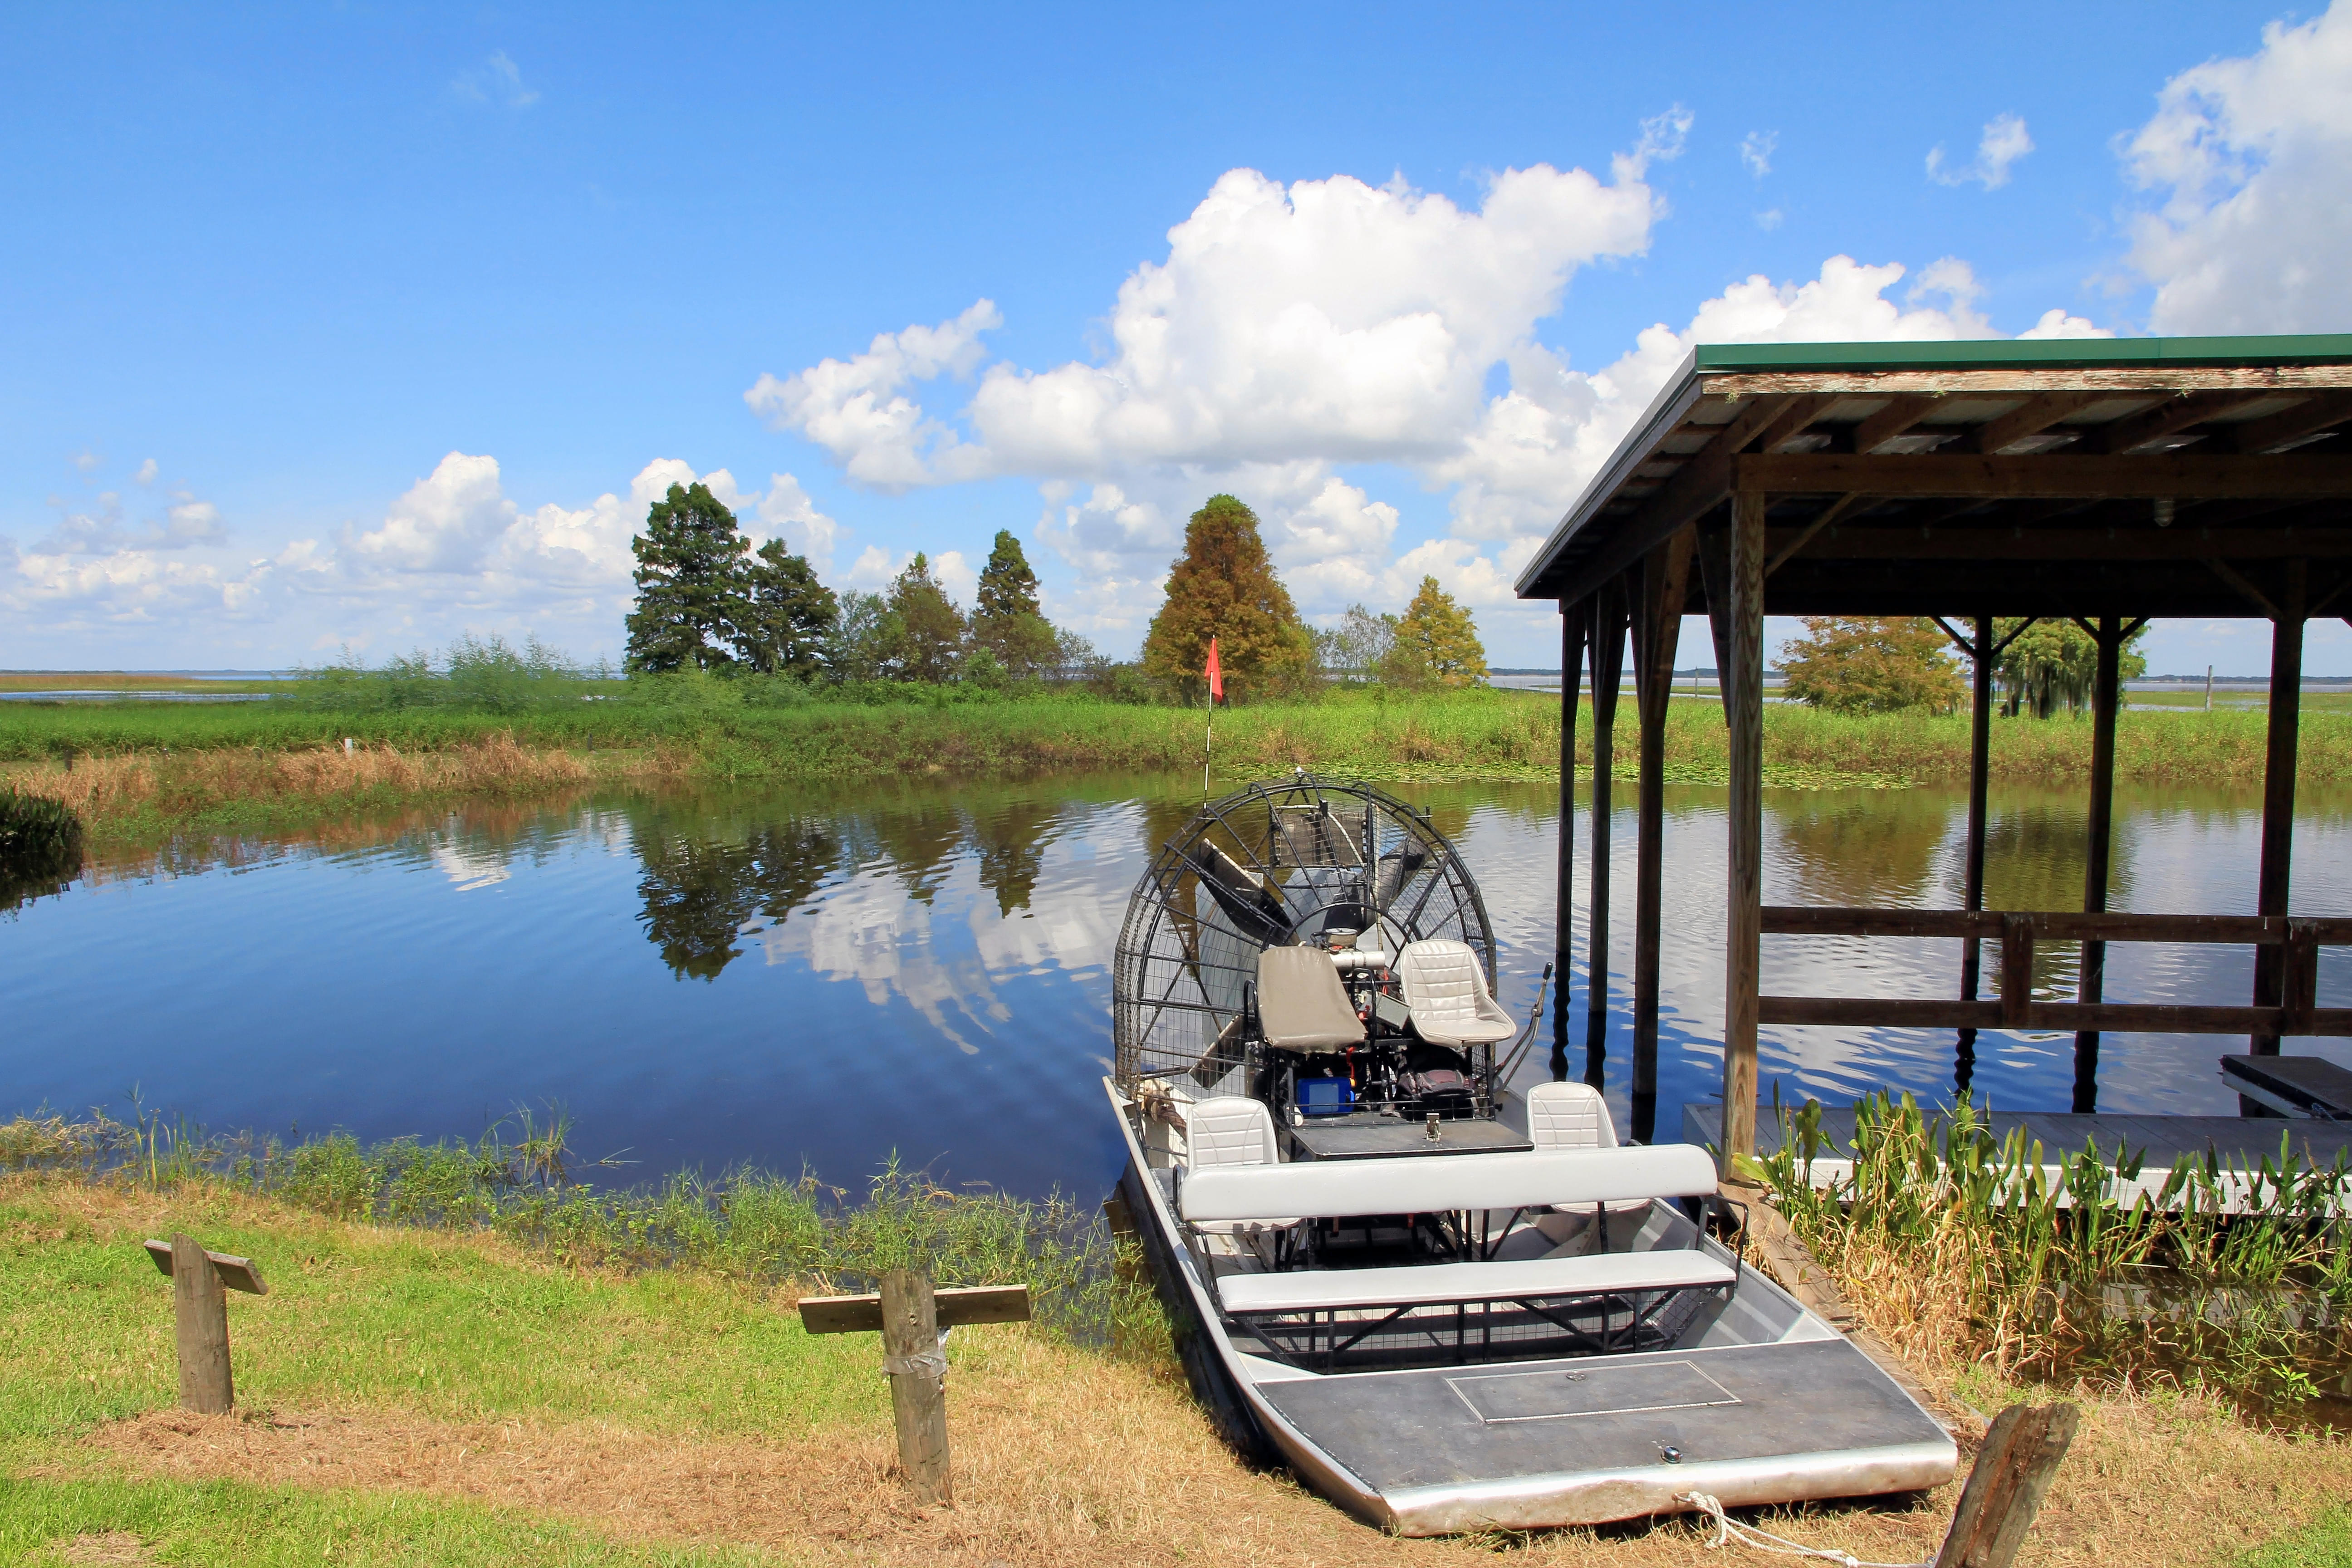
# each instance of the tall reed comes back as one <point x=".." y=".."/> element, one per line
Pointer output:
<point x="1961" y="1246"/>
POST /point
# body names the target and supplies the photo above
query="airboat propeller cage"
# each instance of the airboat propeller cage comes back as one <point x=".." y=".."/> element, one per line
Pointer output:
<point x="1302" y="862"/>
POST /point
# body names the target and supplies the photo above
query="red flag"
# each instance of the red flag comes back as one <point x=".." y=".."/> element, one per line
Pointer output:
<point x="1216" y="676"/>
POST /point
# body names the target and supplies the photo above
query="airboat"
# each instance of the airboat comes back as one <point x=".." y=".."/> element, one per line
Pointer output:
<point x="1445" y="1305"/>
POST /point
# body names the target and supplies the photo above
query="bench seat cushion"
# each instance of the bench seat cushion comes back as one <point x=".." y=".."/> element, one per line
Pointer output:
<point x="1439" y="1183"/>
<point x="1321" y="1289"/>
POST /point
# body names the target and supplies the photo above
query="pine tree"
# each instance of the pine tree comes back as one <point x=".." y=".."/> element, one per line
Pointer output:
<point x="1006" y="621"/>
<point x="689" y="582"/>
<point x="1223" y="587"/>
<point x="1437" y="640"/>
<point x="784" y="613"/>
<point x="1872" y="664"/>
<point x="925" y="632"/>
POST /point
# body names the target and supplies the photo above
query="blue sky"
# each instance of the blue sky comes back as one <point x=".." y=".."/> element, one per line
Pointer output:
<point x="370" y="325"/>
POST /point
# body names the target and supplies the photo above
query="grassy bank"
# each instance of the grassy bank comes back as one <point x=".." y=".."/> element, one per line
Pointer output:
<point x="456" y="1393"/>
<point x="142" y="773"/>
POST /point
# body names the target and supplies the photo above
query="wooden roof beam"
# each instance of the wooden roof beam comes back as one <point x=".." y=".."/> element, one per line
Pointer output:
<point x="1895" y="418"/>
<point x="2168" y="417"/>
<point x="2305" y="418"/>
<point x="2184" y="477"/>
<point x="1900" y="541"/>
<point x="1792" y="421"/>
<point x="2029" y="420"/>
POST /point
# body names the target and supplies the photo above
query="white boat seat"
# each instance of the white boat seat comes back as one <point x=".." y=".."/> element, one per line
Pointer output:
<point x="1445" y="991"/>
<point x="1542" y="1278"/>
<point x="1301" y="1004"/>
<point x="1569" y="1116"/>
<point x="1444" y="1184"/>
<point x="1233" y="1133"/>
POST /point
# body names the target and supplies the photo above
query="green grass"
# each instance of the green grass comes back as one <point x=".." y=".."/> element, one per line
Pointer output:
<point x="2325" y="1542"/>
<point x="213" y="1523"/>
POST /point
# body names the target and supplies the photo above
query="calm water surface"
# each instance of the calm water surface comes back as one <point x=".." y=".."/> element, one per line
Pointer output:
<point x="704" y="980"/>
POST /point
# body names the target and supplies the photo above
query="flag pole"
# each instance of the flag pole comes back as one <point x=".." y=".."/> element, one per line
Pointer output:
<point x="1216" y="676"/>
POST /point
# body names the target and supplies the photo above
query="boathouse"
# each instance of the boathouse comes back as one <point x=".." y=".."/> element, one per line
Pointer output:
<point x="2103" y="481"/>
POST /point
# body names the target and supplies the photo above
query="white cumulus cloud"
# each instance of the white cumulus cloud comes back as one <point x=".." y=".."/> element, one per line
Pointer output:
<point x="859" y="410"/>
<point x="2005" y="141"/>
<point x="2247" y="160"/>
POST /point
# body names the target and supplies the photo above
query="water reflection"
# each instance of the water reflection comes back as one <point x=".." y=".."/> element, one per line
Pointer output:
<point x="926" y="969"/>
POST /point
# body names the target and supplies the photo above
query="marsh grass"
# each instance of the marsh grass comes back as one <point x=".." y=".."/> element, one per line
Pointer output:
<point x="517" y="1182"/>
<point x="1961" y="1247"/>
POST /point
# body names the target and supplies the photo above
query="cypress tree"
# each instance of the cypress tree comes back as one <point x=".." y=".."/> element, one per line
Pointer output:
<point x="689" y="582"/>
<point x="1437" y="640"/>
<point x="925" y="632"/>
<point x="1223" y="587"/>
<point x="785" y="615"/>
<point x="1006" y="620"/>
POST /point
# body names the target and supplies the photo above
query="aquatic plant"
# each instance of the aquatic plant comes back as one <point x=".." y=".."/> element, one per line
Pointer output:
<point x="1959" y="1246"/>
<point x="520" y="1180"/>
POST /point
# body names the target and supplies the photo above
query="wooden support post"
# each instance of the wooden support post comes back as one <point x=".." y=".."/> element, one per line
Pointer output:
<point x="1657" y="631"/>
<point x="1743" y="695"/>
<point x="2005" y="1487"/>
<point x="201" y="1281"/>
<point x="1607" y="636"/>
<point x="1963" y="1065"/>
<point x="2278" y="788"/>
<point x="1563" y="941"/>
<point x="2104" y="698"/>
<point x="917" y="1368"/>
<point x="1715" y="580"/>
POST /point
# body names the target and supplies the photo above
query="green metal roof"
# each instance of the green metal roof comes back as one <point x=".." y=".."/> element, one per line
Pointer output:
<point x="2009" y="352"/>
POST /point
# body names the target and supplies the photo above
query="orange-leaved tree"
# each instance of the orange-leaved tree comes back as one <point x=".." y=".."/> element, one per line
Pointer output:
<point x="1872" y="664"/>
<point x="1223" y="587"/>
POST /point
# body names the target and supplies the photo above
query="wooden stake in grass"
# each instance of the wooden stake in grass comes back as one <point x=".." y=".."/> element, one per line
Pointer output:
<point x="2005" y="1488"/>
<point x="200" y="1283"/>
<point x="911" y="1316"/>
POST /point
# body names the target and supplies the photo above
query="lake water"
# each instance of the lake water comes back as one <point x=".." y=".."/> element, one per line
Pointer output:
<point x="794" y="979"/>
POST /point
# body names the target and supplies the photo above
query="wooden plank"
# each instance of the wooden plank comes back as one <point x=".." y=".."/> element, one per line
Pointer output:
<point x="2028" y="419"/>
<point x="1954" y="381"/>
<point x="1744" y="703"/>
<point x="1897" y="416"/>
<point x="236" y="1273"/>
<point x="2304" y="419"/>
<point x="1878" y="1012"/>
<point x="1900" y="538"/>
<point x="2168" y="417"/>
<point x="2185" y="477"/>
<point x="956" y="1306"/>
<point x="2134" y="1017"/>
<point x="2050" y="925"/>
<point x="2006" y="1486"/>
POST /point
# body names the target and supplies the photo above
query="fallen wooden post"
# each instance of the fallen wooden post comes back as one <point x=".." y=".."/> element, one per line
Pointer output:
<point x="2005" y="1488"/>
<point x="913" y="1319"/>
<point x="200" y="1283"/>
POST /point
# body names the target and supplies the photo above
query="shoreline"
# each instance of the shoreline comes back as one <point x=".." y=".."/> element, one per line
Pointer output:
<point x="143" y="776"/>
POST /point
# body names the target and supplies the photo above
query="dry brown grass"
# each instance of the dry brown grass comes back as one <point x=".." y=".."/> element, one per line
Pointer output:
<point x="186" y="784"/>
<point x="1063" y="1459"/>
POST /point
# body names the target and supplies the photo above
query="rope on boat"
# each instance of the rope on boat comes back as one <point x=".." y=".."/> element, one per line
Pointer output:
<point x="1728" y="1530"/>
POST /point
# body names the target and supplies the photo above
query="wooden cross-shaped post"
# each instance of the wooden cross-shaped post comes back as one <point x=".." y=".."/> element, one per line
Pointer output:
<point x="200" y="1283"/>
<point x="913" y="1318"/>
<point x="2005" y="1488"/>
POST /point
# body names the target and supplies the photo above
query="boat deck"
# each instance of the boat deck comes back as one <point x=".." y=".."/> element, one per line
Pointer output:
<point x="2240" y="1143"/>
<point x="1452" y="1426"/>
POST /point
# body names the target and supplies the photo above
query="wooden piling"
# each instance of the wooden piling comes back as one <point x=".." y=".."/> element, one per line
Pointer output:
<point x="1657" y="632"/>
<point x="1571" y="680"/>
<point x="2090" y="986"/>
<point x="1973" y="893"/>
<point x="2005" y="1487"/>
<point x="200" y="1322"/>
<point x="2277" y="865"/>
<point x="1607" y="621"/>
<point x="1743" y="695"/>
<point x="917" y="1368"/>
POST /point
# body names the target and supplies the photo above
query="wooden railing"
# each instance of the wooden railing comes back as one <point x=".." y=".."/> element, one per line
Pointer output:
<point x="2017" y="932"/>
